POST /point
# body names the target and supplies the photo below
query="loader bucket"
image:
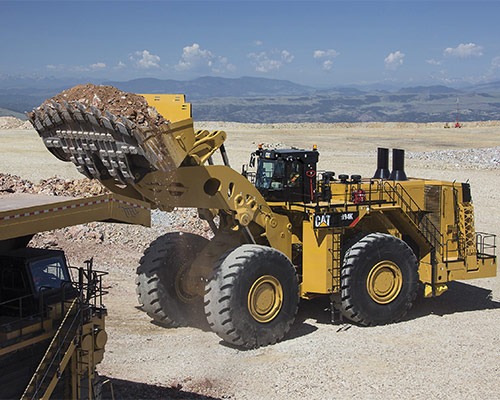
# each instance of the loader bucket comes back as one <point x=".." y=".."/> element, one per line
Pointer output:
<point x="107" y="133"/>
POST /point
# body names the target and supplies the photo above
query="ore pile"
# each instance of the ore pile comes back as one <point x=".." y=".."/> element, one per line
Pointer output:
<point x="109" y="99"/>
<point x="14" y="123"/>
<point x="98" y="233"/>
<point x="478" y="159"/>
<point x="52" y="186"/>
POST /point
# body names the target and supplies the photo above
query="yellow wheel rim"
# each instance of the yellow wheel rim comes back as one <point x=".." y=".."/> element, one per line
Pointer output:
<point x="384" y="282"/>
<point x="265" y="298"/>
<point x="184" y="292"/>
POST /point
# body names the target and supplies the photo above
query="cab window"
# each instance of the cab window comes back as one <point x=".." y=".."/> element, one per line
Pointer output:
<point x="49" y="273"/>
<point x="270" y="174"/>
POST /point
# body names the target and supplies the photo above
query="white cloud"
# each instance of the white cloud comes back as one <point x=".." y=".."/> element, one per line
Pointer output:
<point x="464" y="50"/>
<point x="495" y="63"/>
<point x="286" y="56"/>
<point x="433" y="62"/>
<point x="258" y="42"/>
<point x="97" y="66"/>
<point x="326" y="58"/>
<point x="145" y="60"/>
<point x="267" y="61"/>
<point x="76" y="68"/>
<point x="120" y="65"/>
<point x="195" y="58"/>
<point x="394" y="60"/>
<point x="327" y="65"/>
<point x="330" y="53"/>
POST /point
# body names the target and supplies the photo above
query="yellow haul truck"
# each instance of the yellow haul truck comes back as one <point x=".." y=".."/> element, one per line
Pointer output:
<point x="282" y="229"/>
<point x="52" y="331"/>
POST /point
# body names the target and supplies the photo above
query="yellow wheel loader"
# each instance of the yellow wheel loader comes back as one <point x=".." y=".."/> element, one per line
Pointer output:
<point x="282" y="229"/>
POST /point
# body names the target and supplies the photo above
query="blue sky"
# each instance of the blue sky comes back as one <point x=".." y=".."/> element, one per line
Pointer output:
<point x="320" y="43"/>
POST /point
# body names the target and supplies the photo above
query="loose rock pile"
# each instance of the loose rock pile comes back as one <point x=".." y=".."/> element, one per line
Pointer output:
<point x="108" y="98"/>
<point x="52" y="186"/>
<point x="485" y="158"/>
<point x="14" y="123"/>
<point x="107" y="234"/>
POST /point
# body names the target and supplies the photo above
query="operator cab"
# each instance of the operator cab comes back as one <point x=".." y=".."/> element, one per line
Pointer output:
<point x="27" y="274"/>
<point x="286" y="174"/>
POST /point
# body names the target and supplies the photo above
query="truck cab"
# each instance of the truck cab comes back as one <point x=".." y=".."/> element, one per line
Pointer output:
<point x="29" y="274"/>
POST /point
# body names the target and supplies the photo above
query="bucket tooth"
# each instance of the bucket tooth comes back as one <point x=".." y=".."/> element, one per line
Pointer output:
<point x="111" y="118"/>
<point x="92" y="119"/>
<point x="47" y="122"/>
<point x="107" y="123"/>
<point x="78" y="117"/>
<point x="81" y="107"/>
<point x="66" y="113"/>
<point x="37" y="122"/>
<point x="122" y="129"/>
<point x="96" y="112"/>
<point x="54" y="116"/>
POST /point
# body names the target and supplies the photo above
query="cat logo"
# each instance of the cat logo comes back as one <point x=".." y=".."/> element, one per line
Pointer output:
<point x="322" y="220"/>
<point x="336" y="219"/>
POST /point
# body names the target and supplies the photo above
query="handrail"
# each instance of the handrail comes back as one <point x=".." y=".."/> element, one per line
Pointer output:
<point x="41" y="313"/>
<point x="89" y="299"/>
<point x="56" y="341"/>
<point x="411" y="208"/>
<point x="486" y="245"/>
<point x="36" y="317"/>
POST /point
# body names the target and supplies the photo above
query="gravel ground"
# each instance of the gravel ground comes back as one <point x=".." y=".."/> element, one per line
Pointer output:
<point x="447" y="347"/>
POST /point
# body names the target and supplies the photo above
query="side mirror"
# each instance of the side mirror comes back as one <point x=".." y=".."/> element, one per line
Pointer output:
<point x="252" y="160"/>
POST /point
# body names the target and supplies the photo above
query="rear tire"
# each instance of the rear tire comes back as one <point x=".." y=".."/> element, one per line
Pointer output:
<point x="158" y="275"/>
<point x="379" y="280"/>
<point x="252" y="298"/>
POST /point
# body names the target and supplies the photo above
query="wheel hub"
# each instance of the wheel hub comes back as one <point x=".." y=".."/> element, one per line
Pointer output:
<point x="384" y="282"/>
<point x="265" y="298"/>
<point x="185" y="288"/>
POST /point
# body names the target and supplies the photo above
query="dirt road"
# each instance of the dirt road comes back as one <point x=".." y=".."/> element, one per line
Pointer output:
<point x="447" y="347"/>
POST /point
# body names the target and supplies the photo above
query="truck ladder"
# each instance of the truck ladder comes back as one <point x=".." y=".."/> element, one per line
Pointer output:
<point x="57" y="356"/>
<point x="67" y="339"/>
<point x="336" y="252"/>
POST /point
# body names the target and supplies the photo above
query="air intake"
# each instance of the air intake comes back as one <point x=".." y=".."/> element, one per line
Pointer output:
<point x="398" y="165"/>
<point x="382" y="171"/>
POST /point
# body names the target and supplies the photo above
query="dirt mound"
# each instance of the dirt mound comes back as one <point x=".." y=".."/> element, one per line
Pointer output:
<point x="98" y="233"/>
<point x="108" y="98"/>
<point x="14" y="123"/>
<point x="14" y="184"/>
<point x="52" y="186"/>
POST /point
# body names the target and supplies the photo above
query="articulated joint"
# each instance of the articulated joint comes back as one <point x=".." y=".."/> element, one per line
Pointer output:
<point x="245" y="209"/>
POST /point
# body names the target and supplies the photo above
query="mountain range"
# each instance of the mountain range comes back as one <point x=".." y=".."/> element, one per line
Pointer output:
<point x="250" y="99"/>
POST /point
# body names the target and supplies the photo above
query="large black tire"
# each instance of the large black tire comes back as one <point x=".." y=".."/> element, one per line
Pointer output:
<point x="252" y="298"/>
<point x="379" y="280"/>
<point x="158" y="277"/>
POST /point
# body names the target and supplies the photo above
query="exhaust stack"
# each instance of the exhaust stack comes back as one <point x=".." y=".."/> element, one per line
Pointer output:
<point x="398" y="166"/>
<point x="382" y="171"/>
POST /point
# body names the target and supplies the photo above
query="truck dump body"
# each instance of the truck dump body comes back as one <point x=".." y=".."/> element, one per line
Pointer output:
<point x="27" y="214"/>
